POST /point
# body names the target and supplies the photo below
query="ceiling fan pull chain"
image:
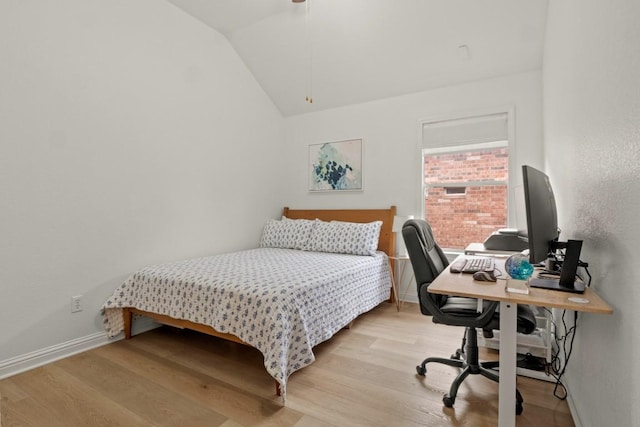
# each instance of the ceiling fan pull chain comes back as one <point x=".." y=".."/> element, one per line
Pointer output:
<point x="309" y="97"/>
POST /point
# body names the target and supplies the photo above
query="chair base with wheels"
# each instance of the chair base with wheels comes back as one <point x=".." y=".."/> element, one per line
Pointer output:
<point x="470" y="365"/>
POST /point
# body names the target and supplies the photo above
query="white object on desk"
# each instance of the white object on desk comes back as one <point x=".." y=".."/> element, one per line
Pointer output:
<point x="517" y="286"/>
<point x="479" y="249"/>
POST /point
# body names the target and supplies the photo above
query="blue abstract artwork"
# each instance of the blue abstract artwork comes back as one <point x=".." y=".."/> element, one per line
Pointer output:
<point x="336" y="166"/>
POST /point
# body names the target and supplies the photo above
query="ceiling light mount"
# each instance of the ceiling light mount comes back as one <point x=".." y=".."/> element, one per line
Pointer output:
<point x="298" y="1"/>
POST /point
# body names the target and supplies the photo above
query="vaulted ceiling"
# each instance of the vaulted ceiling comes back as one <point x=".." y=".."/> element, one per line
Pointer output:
<point x="344" y="52"/>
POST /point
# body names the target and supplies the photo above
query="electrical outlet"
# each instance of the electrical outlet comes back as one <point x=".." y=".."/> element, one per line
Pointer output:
<point x="76" y="303"/>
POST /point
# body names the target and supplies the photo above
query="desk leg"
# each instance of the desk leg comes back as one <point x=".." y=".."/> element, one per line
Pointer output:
<point x="508" y="356"/>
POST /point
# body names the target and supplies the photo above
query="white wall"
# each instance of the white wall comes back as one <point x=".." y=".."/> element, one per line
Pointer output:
<point x="130" y="134"/>
<point x="592" y="146"/>
<point x="390" y="130"/>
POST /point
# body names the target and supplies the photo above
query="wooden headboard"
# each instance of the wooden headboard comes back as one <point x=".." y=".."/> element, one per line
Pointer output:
<point x="387" y="241"/>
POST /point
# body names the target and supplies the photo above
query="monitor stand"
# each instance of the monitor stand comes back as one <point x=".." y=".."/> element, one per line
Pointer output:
<point x="554" y="284"/>
<point x="567" y="281"/>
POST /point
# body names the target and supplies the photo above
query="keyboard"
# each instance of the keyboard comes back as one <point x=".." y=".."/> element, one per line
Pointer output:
<point x="472" y="264"/>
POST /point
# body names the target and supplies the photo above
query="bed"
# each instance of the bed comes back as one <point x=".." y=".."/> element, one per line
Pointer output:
<point x="313" y="273"/>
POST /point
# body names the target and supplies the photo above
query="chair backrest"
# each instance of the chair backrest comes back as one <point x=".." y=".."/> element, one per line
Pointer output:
<point x="427" y="259"/>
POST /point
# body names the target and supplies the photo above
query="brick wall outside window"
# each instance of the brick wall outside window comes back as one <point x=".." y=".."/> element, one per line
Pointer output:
<point x="460" y="219"/>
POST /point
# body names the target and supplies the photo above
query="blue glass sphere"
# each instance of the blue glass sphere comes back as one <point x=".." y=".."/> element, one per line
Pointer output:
<point x="519" y="267"/>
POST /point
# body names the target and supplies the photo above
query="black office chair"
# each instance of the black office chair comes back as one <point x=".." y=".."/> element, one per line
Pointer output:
<point x="428" y="261"/>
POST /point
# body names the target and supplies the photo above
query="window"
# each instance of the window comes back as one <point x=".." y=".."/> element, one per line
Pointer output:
<point x="465" y="178"/>
<point x="455" y="191"/>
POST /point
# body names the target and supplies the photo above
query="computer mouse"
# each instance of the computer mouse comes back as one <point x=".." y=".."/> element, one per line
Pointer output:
<point x="484" y="276"/>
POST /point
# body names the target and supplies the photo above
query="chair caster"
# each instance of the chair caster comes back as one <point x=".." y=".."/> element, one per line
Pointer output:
<point x="448" y="401"/>
<point x="421" y="370"/>
<point x="519" y="401"/>
<point x="519" y="408"/>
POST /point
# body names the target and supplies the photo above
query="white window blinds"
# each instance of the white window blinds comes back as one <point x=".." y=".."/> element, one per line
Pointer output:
<point x="465" y="131"/>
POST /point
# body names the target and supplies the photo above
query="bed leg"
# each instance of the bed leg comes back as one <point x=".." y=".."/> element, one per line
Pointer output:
<point x="278" y="391"/>
<point x="349" y="325"/>
<point x="127" y="317"/>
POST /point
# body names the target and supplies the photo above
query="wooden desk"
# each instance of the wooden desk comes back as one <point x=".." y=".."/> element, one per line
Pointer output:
<point x="459" y="284"/>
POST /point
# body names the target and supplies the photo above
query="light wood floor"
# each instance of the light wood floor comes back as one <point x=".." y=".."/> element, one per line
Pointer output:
<point x="363" y="376"/>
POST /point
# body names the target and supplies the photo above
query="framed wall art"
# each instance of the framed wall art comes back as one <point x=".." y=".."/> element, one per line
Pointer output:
<point x="336" y="166"/>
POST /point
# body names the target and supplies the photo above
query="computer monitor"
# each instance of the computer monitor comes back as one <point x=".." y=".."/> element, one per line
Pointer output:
<point x="542" y="217"/>
<point x="542" y="232"/>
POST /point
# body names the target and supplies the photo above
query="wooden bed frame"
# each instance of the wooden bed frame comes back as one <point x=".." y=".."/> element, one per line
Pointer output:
<point x="386" y="244"/>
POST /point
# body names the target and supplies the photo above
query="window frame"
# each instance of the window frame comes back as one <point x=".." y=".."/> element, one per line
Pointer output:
<point x="509" y="111"/>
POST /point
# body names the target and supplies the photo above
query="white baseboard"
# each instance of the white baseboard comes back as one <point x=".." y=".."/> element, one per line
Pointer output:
<point x="572" y="406"/>
<point x="410" y="298"/>
<point x="25" y="362"/>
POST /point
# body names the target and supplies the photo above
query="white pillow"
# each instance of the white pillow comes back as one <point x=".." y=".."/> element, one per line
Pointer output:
<point x="287" y="234"/>
<point x="345" y="237"/>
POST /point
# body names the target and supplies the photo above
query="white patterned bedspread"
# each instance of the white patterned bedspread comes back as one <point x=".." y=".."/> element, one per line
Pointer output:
<point x="281" y="301"/>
